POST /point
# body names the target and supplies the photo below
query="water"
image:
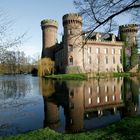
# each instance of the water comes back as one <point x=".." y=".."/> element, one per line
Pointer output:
<point x="28" y="103"/>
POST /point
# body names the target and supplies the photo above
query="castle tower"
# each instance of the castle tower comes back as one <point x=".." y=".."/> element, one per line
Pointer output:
<point x="72" y="43"/>
<point x="128" y="34"/>
<point x="49" y="36"/>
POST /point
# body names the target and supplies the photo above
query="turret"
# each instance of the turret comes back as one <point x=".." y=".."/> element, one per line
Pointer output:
<point x="49" y="33"/>
<point x="72" y="42"/>
<point x="128" y="33"/>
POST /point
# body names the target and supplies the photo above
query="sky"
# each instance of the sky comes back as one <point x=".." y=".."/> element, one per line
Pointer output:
<point x="28" y="14"/>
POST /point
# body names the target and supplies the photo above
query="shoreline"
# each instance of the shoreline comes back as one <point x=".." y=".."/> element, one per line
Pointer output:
<point x="86" y="76"/>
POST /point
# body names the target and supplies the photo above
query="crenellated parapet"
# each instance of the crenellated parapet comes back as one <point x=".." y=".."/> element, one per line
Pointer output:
<point x="129" y="28"/>
<point x="72" y="18"/>
<point x="49" y="22"/>
<point x="103" y="42"/>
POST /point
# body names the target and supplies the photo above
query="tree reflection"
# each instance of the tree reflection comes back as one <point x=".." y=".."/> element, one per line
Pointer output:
<point x="14" y="88"/>
<point x="47" y="87"/>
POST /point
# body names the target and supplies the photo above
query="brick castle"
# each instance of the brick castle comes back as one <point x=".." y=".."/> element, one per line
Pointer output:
<point x="101" y="52"/>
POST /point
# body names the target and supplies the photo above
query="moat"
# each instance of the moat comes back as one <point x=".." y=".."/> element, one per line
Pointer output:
<point x="28" y="103"/>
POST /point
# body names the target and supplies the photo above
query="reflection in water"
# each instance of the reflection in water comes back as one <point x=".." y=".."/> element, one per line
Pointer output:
<point x="89" y="104"/>
<point x="65" y="106"/>
<point x="130" y="93"/>
<point x="21" y="105"/>
<point x="14" y="87"/>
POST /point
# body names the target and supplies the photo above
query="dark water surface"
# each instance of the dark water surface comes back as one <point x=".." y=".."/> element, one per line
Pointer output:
<point x="28" y="103"/>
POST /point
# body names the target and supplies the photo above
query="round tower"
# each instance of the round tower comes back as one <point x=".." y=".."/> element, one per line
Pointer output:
<point x="72" y="24"/>
<point x="128" y="33"/>
<point x="49" y="37"/>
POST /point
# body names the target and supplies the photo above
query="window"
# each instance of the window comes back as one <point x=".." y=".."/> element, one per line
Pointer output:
<point x="71" y="105"/>
<point x="135" y="39"/>
<point x="120" y="59"/>
<point x="113" y="51"/>
<point x="113" y="98"/>
<point x="89" y="90"/>
<point x="71" y="121"/>
<point x="106" y="89"/>
<point x="70" y="48"/>
<point x="113" y="88"/>
<point x="106" y="50"/>
<point x="97" y="50"/>
<point x="72" y="93"/>
<point x="89" y="60"/>
<point x="119" y="51"/>
<point x="98" y="99"/>
<point x="120" y="96"/>
<point x="113" y="60"/>
<point x="98" y="60"/>
<point x="71" y="60"/>
<point x="89" y="101"/>
<point x="106" y="60"/>
<point x="89" y="50"/>
<point x="106" y="98"/>
<point x="98" y="89"/>
<point x="69" y="32"/>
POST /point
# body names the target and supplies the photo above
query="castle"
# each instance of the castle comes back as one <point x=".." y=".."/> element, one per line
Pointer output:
<point x="100" y="52"/>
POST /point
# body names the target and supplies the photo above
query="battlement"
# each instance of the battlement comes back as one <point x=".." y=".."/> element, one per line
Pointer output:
<point x="72" y="18"/>
<point x="129" y="28"/>
<point x="103" y="42"/>
<point x="49" y="22"/>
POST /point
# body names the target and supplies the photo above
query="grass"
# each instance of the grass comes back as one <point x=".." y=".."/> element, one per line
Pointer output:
<point x="126" y="129"/>
<point x="92" y="75"/>
<point x="67" y="77"/>
<point x="122" y="74"/>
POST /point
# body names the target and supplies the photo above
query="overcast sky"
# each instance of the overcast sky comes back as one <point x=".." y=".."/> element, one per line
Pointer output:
<point x="28" y="15"/>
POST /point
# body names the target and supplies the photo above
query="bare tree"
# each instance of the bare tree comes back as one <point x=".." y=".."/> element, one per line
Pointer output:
<point x="7" y="39"/>
<point x="98" y="13"/>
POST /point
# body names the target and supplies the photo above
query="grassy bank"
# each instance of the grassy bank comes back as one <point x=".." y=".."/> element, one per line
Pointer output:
<point x="122" y="74"/>
<point x="127" y="129"/>
<point x="90" y="75"/>
<point x="67" y="77"/>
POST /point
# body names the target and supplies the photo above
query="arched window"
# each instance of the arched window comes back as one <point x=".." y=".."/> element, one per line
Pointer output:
<point x="71" y="60"/>
<point x="70" y="48"/>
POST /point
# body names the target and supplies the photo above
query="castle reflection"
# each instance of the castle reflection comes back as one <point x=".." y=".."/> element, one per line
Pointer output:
<point x="88" y="104"/>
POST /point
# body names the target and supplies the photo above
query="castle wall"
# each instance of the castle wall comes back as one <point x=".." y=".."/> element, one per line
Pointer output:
<point x="59" y="59"/>
<point x="102" y="56"/>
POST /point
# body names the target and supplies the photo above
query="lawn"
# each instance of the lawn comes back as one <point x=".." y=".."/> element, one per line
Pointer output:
<point x="67" y="77"/>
